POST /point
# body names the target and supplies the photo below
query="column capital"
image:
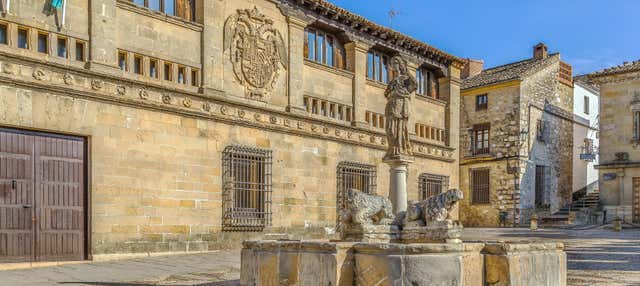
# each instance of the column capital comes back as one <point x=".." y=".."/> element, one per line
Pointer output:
<point x="295" y="16"/>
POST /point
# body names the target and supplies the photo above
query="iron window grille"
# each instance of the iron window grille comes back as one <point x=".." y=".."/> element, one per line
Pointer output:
<point x="246" y="178"/>
<point x="480" y="186"/>
<point x="352" y="175"/>
<point x="432" y="185"/>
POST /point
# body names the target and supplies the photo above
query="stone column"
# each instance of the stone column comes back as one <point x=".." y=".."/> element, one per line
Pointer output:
<point x="212" y="72"/>
<point x="357" y="60"/>
<point x="296" y="63"/>
<point x="398" y="183"/>
<point x="103" y="45"/>
<point x="450" y="92"/>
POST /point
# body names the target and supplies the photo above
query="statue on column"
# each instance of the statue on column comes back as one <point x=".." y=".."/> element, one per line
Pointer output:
<point x="398" y="96"/>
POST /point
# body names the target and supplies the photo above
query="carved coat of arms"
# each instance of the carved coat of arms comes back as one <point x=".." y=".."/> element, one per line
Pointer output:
<point x="256" y="49"/>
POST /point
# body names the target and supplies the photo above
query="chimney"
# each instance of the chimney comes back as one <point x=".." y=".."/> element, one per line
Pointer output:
<point x="540" y="51"/>
<point x="471" y="68"/>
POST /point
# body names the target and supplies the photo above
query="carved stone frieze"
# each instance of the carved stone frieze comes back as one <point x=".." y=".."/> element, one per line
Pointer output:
<point x="187" y="102"/>
<point x="256" y="50"/>
<point x="68" y="79"/>
<point x="97" y="84"/>
<point x="166" y="99"/>
<point x="121" y="90"/>
<point x="9" y="68"/>
<point x="206" y="107"/>
<point x="143" y="93"/>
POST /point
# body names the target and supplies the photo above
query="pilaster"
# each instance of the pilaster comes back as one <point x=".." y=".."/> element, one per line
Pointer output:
<point x="295" y="69"/>
<point x="103" y="31"/>
<point x="212" y="45"/>
<point x="357" y="59"/>
<point x="450" y="92"/>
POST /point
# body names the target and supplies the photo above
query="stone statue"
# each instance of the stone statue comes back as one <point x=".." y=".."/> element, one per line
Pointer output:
<point x="433" y="210"/>
<point x="364" y="210"/>
<point x="398" y="96"/>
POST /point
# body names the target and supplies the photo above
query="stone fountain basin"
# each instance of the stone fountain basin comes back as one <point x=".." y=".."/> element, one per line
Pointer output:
<point x="355" y="263"/>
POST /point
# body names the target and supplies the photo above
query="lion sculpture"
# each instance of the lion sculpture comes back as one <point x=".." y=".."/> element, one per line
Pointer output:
<point x="433" y="209"/>
<point x="365" y="209"/>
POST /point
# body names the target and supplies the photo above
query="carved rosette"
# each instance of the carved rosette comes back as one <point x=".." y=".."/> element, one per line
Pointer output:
<point x="256" y="50"/>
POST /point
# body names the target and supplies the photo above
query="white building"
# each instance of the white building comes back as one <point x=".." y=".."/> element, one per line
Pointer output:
<point x="586" y="97"/>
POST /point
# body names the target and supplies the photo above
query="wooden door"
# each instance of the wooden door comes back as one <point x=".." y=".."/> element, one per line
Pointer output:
<point x="16" y="198"/>
<point x="42" y="197"/>
<point x="636" y="200"/>
<point x="59" y="165"/>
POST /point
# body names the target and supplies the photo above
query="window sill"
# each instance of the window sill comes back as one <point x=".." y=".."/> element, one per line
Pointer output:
<point x="129" y="6"/>
<point x="431" y="100"/>
<point x="333" y="70"/>
<point x="377" y="84"/>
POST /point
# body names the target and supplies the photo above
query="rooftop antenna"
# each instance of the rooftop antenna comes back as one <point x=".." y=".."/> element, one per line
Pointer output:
<point x="392" y="14"/>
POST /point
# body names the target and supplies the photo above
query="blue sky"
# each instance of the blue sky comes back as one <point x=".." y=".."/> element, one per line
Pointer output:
<point x="589" y="34"/>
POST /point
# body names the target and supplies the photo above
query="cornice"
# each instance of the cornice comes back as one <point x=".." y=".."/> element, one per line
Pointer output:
<point x="615" y="78"/>
<point x="85" y="84"/>
<point x="361" y="26"/>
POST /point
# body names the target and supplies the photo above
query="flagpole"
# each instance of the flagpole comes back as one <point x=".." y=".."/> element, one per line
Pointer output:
<point x="64" y="11"/>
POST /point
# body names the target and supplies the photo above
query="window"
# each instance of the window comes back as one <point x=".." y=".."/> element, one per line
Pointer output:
<point x="80" y="48"/>
<point x="181" y="8"/>
<point x="3" y="34"/>
<point x="153" y="68"/>
<point x="43" y="43"/>
<point x="246" y="197"/>
<point x="195" y="77"/>
<point x="377" y="66"/>
<point x="168" y="71"/>
<point x="137" y="64"/>
<point x="323" y="48"/>
<point x="182" y="75"/>
<point x="432" y="185"/>
<point x="427" y="83"/>
<point x="122" y="61"/>
<point x="480" y="186"/>
<point x="586" y="105"/>
<point x="480" y="139"/>
<point x="482" y="102"/>
<point x="352" y="175"/>
<point x="541" y="130"/>
<point x="23" y="38"/>
<point x="62" y="48"/>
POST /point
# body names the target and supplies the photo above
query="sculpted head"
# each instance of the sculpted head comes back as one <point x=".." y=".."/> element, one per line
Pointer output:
<point x="398" y="65"/>
<point x="453" y="196"/>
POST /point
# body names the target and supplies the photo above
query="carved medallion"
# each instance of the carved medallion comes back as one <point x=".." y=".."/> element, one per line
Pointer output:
<point x="224" y="110"/>
<point x="121" y="90"/>
<point x="97" y="84"/>
<point x="241" y="113"/>
<point x="144" y="94"/>
<point x="68" y="78"/>
<point x="39" y="74"/>
<point x="166" y="99"/>
<point x="273" y="119"/>
<point x="206" y="107"/>
<point x="187" y="102"/>
<point x="256" y="50"/>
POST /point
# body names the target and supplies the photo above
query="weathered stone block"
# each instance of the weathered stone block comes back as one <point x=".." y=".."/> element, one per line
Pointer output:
<point x="538" y="264"/>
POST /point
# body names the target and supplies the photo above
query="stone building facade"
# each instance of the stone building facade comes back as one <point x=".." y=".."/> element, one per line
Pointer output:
<point x="586" y="111"/>
<point x="516" y="139"/>
<point x="140" y="126"/>
<point x="620" y="136"/>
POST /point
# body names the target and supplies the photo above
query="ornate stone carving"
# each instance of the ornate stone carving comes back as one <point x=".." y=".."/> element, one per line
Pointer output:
<point x="68" y="78"/>
<point x="144" y="94"/>
<point x="398" y="96"/>
<point x="241" y="113"/>
<point x="39" y="74"/>
<point x="97" y="84"/>
<point x="224" y="110"/>
<point x="256" y="50"/>
<point x="166" y="99"/>
<point x="273" y="119"/>
<point x="121" y="90"/>
<point x="206" y="107"/>
<point x="9" y="68"/>
<point x="365" y="209"/>
<point x="187" y="102"/>
<point x="434" y="209"/>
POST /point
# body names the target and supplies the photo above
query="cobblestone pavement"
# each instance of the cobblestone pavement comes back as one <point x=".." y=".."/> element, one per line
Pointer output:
<point x="595" y="257"/>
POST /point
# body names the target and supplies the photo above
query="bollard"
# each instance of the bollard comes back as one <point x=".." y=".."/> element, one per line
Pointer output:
<point x="617" y="224"/>
<point x="534" y="222"/>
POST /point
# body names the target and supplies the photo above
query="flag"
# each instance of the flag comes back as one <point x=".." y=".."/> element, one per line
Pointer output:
<point x="56" y="4"/>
